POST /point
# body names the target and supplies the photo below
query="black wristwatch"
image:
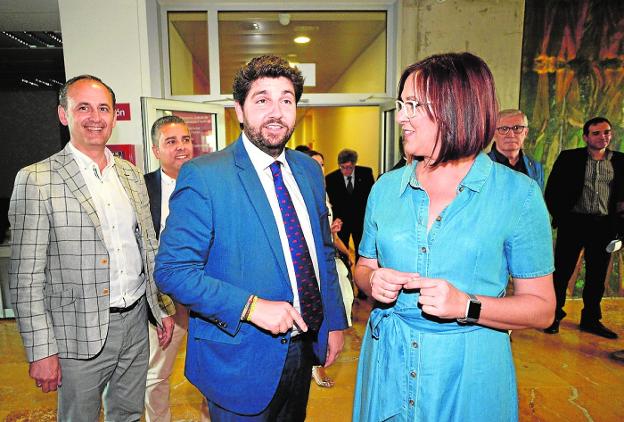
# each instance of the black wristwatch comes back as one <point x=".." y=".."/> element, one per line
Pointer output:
<point x="473" y="310"/>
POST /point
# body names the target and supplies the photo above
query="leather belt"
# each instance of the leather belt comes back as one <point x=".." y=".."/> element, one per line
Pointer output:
<point x="302" y="337"/>
<point x="115" y="310"/>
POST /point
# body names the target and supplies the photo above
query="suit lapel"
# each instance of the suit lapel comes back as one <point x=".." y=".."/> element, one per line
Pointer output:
<point x="258" y="200"/>
<point x="307" y="191"/>
<point x="69" y="171"/>
<point x="303" y="181"/>
<point x="128" y="180"/>
<point x="153" y="183"/>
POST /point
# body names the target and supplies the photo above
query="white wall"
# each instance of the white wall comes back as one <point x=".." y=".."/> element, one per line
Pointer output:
<point x="109" y="39"/>
<point x="491" y="29"/>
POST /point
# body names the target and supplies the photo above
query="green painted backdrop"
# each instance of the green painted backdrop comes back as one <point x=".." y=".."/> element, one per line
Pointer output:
<point x="572" y="70"/>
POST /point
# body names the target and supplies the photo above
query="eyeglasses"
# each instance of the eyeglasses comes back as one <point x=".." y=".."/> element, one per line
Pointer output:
<point x="408" y="107"/>
<point x="504" y="130"/>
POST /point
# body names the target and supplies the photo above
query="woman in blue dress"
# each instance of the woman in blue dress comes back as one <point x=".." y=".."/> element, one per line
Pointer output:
<point x="442" y="237"/>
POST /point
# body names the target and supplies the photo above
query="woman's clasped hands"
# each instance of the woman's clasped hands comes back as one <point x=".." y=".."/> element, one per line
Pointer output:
<point x="437" y="297"/>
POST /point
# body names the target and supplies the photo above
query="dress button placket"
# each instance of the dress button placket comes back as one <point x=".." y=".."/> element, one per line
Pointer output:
<point x="414" y="364"/>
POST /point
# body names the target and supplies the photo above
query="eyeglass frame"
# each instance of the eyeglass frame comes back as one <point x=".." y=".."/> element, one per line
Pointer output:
<point x="400" y="105"/>
<point x="517" y="129"/>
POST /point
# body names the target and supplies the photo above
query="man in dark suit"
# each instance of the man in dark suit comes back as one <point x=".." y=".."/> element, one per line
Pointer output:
<point x="348" y="189"/>
<point x="82" y="262"/>
<point x="172" y="145"/>
<point x="585" y="194"/>
<point x="248" y="250"/>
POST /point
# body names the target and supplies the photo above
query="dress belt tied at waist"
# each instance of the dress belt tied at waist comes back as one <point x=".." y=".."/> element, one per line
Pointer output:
<point x="389" y="385"/>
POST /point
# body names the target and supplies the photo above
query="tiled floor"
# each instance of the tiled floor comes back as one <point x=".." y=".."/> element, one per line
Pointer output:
<point x="564" y="377"/>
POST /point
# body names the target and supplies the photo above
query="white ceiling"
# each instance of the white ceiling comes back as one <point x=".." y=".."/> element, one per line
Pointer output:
<point x="29" y="15"/>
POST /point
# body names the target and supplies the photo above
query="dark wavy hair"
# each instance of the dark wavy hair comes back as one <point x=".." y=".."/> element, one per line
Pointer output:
<point x="460" y="90"/>
<point x="265" y="67"/>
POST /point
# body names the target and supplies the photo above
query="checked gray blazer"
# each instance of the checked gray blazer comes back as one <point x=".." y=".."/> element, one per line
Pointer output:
<point x="59" y="271"/>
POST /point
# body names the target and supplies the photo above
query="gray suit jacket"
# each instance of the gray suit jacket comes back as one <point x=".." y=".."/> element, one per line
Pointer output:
<point x="59" y="272"/>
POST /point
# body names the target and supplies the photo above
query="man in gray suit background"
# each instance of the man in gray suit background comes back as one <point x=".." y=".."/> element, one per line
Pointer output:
<point x="81" y="271"/>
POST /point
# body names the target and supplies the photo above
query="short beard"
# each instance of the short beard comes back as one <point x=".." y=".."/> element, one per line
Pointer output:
<point x="262" y="143"/>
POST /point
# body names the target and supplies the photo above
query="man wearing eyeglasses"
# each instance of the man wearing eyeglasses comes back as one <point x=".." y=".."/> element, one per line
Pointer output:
<point x="512" y="129"/>
<point x="348" y="189"/>
<point x="584" y="189"/>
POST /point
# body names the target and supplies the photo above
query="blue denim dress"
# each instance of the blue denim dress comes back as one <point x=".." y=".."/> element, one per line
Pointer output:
<point x="414" y="367"/>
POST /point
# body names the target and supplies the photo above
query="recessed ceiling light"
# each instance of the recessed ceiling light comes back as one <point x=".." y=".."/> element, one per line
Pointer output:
<point x="302" y="39"/>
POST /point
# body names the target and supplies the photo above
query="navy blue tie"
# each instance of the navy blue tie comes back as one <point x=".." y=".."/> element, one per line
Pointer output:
<point x="307" y="286"/>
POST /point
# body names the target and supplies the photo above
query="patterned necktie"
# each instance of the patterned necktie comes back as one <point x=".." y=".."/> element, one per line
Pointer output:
<point x="309" y="294"/>
<point x="349" y="185"/>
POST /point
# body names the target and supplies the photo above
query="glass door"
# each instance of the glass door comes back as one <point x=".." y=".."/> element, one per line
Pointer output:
<point x="389" y="151"/>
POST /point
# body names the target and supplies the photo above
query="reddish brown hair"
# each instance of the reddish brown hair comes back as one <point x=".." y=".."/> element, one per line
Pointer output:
<point x="460" y="90"/>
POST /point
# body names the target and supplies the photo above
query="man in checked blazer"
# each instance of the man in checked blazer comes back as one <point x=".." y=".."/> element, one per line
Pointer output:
<point x="81" y="271"/>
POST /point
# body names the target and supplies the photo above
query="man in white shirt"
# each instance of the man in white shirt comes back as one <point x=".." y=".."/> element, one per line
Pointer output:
<point x="248" y="249"/>
<point x="81" y="272"/>
<point x="173" y="146"/>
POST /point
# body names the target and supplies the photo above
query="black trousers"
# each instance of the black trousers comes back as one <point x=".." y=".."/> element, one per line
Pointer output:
<point x="574" y="233"/>
<point x="291" y="398"/>
<point x="351" y="229"/>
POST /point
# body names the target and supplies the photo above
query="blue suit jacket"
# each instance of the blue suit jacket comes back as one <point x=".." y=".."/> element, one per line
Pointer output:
<point x="221" y="245"/>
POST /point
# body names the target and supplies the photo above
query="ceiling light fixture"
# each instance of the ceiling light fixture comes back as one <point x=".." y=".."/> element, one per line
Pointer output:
<point x="26" y="81"/>
<point x="43" y="82"/>
<point x="302" y="39"/>
<point x="284" y="18"/>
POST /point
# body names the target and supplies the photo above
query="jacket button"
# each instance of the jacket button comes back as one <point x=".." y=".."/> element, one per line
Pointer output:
<point x="283" y="340"/>
<point x="104" y="261"/>
<point x="105" y="291"/>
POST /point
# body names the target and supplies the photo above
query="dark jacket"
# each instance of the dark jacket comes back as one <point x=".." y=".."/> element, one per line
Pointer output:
<point x="535" y="170"/>
<point x="565" y="184"/>
<point x="154" y="190"/>
<point x="350" y="207"/>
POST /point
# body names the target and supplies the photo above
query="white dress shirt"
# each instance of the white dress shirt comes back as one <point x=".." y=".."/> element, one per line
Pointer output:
<point x="167" y="186"/>
<point x="346" y="178"/>
<point x="261" y="162"/>
<point x="118" y="222"/>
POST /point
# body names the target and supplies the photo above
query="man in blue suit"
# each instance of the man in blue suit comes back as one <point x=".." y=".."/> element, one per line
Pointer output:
<point x="264" y="296"/>
<point x="512" y="129"/>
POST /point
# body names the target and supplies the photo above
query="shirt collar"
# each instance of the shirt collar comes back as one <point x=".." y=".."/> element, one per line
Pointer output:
<point x="501" y="158"/>
<point x="608" y="153"/>
<point x="166" y="179"/>
<point x="260" y="159"/>
<point x="474" y="180"/>
<point x="85" y="162"/>
<point x="352" y="176"/>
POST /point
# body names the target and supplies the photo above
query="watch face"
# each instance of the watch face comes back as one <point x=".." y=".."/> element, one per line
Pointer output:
<point x="474" y="311"/>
